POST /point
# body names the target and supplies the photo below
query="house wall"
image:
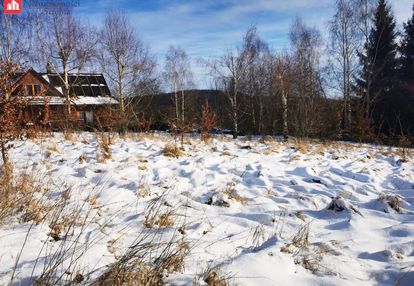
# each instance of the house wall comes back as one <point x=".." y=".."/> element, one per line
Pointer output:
<point x="30" y="81"/>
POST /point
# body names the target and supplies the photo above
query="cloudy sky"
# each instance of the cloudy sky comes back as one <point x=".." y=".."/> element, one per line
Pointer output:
<point x="207" y="28"/>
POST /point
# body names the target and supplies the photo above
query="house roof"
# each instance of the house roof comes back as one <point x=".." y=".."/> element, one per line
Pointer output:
<point x="82" y="84"/>
<point x="79" y="101"/>
<point x="85" y="88"/>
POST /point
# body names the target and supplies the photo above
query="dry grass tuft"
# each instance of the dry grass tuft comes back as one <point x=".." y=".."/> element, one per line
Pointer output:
<point x="171" y="150"/>
<point x="82" y="159"/>
<point x="144" y="190"/>
<point x="232" y="194"/>
<point x="310" y="262"/>
<point x="146" y="265"/>
<point x="392" y="200"/>
<point x="70" y="136"/>
<point x="131" y="273"/>
<point x="104" y="144"/>
<point x="301" y="238"/>
<point x="300" y="215"/>
<point x="214" y="277"/>
<point x="302" y="147"/>
<point x="54" y="149"/>
<point x="157" y="216"/>
<point x="21" y="195"/>
<point x="227" y="153"/>
<point x="159" y="220"/>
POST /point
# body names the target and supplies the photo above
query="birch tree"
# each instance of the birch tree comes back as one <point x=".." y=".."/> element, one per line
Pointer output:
<point x="16" y="37"/>
<point x="255" y="83"/>
<point x="282" y="80"/>
<point x="67" y="45"/>
<point x="229" y="71"/>
<point x="306" y="42"/>
<point x="343" y="52"/>
<point x="126" y="62"/>
<point x="178" y="77"/>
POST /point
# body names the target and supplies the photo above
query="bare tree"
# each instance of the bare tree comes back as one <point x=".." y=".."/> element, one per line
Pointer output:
<point x="363" y="14"/>
<point x="282" y="80"/>
<point x="256" y="79"/>
<point x="126" y="62"/>
<point x="178" y="76"/>
<point x="67" y="45"/>
<point x="306" y="42"/>
<point x="343" y="51"/>
<point x="228" y="72"/>
<point x="15" y="37"/>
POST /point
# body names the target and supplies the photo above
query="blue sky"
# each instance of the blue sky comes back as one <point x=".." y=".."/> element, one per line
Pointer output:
<point x="207" y="28"/>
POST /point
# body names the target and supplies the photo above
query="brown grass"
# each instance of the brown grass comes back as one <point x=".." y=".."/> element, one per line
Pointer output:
<point x="21" y="195"/>
<point x="302" y="147"/>
<point x="392" y="200"/>
<point x="310" y="262"/>
<point x="159" y="220"/>
<point x="70" y="136"/>
<point x="141" y="267"/>
<point x="301" y="239"/>
<point x="214" y="277"/>
<point x="227" y="153"/>
<point x="132" y="273"/>
<point x="104" y="144"/>
<point x="171" y="150"/>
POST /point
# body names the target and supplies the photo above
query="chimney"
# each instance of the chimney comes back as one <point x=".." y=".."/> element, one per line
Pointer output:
<point x="49" y="67"/>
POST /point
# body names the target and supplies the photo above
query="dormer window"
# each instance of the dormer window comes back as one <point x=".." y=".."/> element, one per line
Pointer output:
<point x="37" y="89"/>
<point x="33" y="90"/>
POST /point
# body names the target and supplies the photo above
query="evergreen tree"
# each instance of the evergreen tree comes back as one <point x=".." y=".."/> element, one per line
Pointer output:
<point x="407" y="52"/>
<point x="379" y="64"/>
<point x="405" y="98"/>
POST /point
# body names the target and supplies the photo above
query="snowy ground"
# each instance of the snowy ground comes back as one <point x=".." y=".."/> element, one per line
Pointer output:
<point x="239" y="205"/>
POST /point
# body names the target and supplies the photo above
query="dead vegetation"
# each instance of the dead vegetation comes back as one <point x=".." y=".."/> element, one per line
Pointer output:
<point x="146" y="264"/>
<point x="159" y="214"/>
<point x="69" y="135"/>
<point x="302" y="147"/>
<point x="215" y="277"/>
<point x="21" y="195"/>
<point x="339" y="204"/>
<point x="393" y="201"/>
<point x="105" y="141"/>
<point x="172" y="150"/>
<point x="223" y="197"/>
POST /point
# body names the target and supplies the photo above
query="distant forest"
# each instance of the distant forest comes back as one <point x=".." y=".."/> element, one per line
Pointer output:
<point x="357" y="84"/>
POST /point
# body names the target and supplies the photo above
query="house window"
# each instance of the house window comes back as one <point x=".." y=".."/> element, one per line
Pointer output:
<point x="32" y="90"/>
<point x="89" y="118"/>
<point x="27" y="90"/>
<point x="37" y="89"/>
<point x="82" y="116"/>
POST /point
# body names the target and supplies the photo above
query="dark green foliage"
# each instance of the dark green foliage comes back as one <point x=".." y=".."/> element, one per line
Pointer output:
<point x="379" y="75"/>
<point x="407" y="52"/>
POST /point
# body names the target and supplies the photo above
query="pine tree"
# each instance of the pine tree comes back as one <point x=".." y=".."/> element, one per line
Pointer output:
<point x="405" y="98"/>
<point x="407" y="52"/>
<point x="379" y="63"/>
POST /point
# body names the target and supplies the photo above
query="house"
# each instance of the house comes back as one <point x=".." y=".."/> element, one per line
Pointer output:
<point x="47" y="105"/>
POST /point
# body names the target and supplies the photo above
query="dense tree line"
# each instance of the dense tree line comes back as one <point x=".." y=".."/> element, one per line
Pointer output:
<point x="358" y="84"/>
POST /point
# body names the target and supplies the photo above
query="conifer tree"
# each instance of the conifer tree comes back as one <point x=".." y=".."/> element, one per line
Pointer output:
<point x="407" y="52"/>
<point x="379" y="63"/>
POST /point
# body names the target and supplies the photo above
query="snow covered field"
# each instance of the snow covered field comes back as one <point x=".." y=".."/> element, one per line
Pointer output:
<point x="256" y="213"/>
